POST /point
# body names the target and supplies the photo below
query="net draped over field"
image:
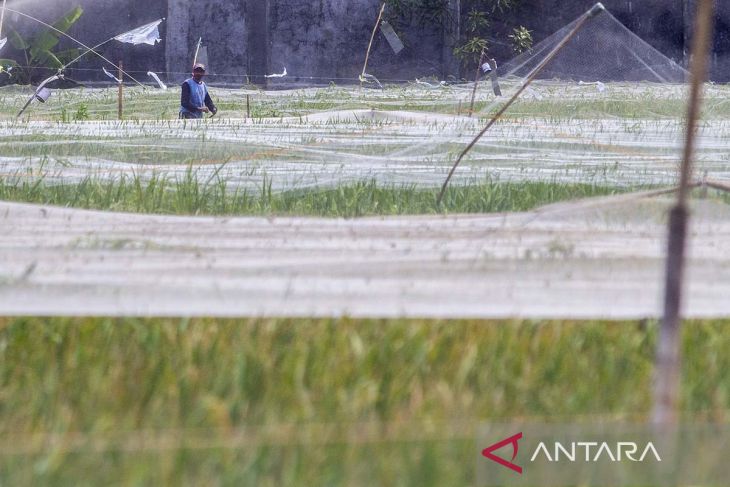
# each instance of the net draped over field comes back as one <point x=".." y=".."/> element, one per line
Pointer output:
<point x="595" y="258"/>
<point x="624" y="135"/>
<point x="607" y="111"/>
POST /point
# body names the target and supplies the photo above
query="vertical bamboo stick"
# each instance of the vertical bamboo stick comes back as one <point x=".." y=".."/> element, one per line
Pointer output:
<point x="476" y="83"/>
<point x="2" y="18"/>
<point x="120" y="96"/>
<point x="668" y="359"/>
<point x="494" y="75"/>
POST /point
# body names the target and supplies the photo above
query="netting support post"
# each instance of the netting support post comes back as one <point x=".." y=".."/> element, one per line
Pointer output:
<point x="370" y="44"/>
<point x="120" y="96"/>
<point x="2" y="18"/>
<point x="476" y="83"/>
<point x="596" y="10"/>
<point x="668" y="367"/>
<point x="494" y="75"/>
<point x="668" y="358"/>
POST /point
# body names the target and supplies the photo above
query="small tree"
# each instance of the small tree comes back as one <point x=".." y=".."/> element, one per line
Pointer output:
<point x="478" y="19"/>
<point x="38" y="55"/>
<point x="478" y="24"/>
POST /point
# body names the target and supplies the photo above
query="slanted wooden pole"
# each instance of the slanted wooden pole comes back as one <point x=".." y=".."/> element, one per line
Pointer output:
<point x="370" y="44"/>
<point x="668" y="358"/>
<point x="120" y="96"/>
<point x="593" y="12"/>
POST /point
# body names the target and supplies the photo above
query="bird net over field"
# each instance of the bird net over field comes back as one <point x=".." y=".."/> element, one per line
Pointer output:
<point x="602" y="50"/>
<point x="606" y="109"/>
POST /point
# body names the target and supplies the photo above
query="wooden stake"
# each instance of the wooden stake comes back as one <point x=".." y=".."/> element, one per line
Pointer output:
<point x="476" y="83"/>
<point x="668" y="358"/>
<point x="494" y="75"/>
<point x="2" y="18"/>
<point x="197" y="51"/>
<point x="120" y="100"/>
<point x="370" y="45"/>
<point x="596" y="10"/>
<point x="248" y="106"/>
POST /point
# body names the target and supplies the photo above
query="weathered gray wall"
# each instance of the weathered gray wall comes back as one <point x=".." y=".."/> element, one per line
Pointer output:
<point x="221" y="24"/>
<point x="323" y="40"/>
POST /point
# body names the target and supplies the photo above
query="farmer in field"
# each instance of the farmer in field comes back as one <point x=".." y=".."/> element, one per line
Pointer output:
<point x="195" y="99"/>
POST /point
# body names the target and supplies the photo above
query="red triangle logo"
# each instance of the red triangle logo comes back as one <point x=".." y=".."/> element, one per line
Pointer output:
<point x="512" y="440"/>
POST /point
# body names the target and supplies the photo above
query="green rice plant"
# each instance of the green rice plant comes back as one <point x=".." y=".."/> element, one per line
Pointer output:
<point x="315" y="401"/>
<point x="191" y="196"/>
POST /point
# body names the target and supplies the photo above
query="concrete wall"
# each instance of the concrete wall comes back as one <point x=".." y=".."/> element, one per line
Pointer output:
<point x="222" y="25"/>
<point x="323" y="41"/>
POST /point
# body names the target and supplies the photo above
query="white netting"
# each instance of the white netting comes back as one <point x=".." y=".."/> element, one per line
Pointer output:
<point x="614" y="116"/>
<point x="603" y="50"/>
<point x="598" y="259"/>
<point x="625" y="135"/>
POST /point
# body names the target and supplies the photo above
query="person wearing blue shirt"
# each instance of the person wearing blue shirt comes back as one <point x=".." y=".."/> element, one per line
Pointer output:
<point x="195" y="99"/>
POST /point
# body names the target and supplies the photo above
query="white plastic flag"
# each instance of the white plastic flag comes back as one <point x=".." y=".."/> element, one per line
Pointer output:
<point x="3" y="41"/>
<point x="395" y="43"/>
<point x="147" y="34"/>
<point x="486" y="67"/>
<point x="280" y="75"/>
<point x="118" y="81"/>
<point x="162" y="85"/>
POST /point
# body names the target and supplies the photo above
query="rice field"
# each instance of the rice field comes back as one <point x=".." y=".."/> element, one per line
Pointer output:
<point x="314" y="402"/>
<point x="366" y="331"/>
<point x="625" y="136"/>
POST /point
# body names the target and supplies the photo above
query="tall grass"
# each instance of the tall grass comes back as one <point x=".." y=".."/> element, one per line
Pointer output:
<point x="190" y="196"/>
<point x="313" y="402"/>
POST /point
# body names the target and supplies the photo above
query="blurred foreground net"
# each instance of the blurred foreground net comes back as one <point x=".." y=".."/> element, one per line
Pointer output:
<point x="600" y="258"/>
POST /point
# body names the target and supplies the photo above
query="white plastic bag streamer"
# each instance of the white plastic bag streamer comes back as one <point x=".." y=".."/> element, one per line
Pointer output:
<point x="389" y="33"/>
<point x="147" y="34"/>
<point x="3" y="41"/>
<point x="369" y="78"/>
<point x="162" y="85"/>
<point x="117" y="80"/>
<point x="280" y="75"/>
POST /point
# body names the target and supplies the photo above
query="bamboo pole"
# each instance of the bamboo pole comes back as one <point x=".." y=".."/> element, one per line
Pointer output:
<point x="197" y="51"/>
<point x="2" y="18"/>
<point x="494" y="75"/>
<point x="476" y="83"/>
<point x="370" y="44"/>
<point x="668" y="358"/>
<point x="120" y="96"/>
<point x="594" y="11"/>
<point x="717" y="185"/>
